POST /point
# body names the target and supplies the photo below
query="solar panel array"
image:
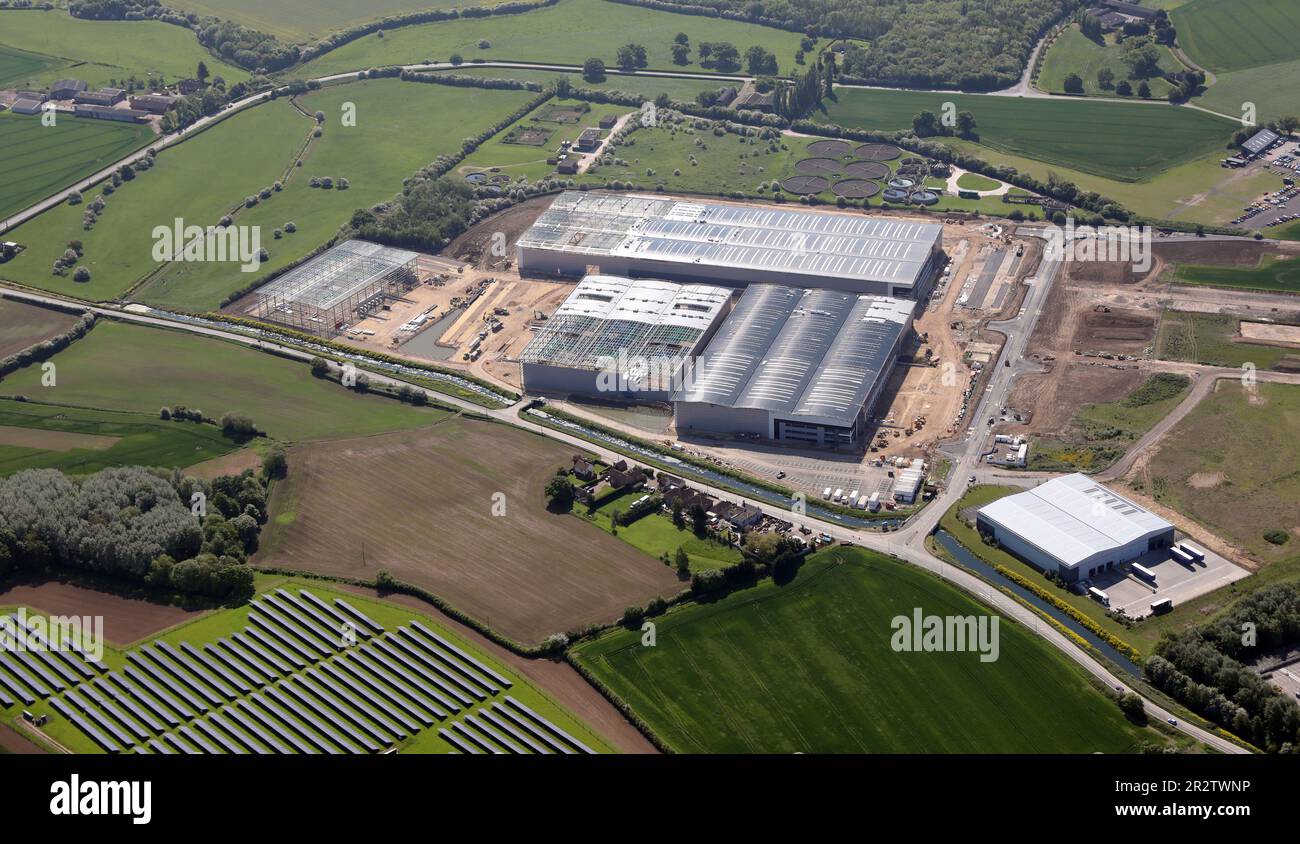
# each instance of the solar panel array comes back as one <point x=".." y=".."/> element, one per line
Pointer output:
<point x="306" y="676"/>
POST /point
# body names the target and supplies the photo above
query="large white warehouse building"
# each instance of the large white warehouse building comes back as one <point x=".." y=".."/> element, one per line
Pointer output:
<point x="623" y="338"/>
<point x="796" y="365"/>
<point x="1073" y="526"/>
<point x="643" y="236"/>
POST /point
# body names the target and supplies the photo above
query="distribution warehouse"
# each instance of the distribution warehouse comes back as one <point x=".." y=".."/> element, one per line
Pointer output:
<point x="734" y="245"/>
<point x="1074" y="527"/>
<point x="795" y="364"/>
<point x="622" y="336"/>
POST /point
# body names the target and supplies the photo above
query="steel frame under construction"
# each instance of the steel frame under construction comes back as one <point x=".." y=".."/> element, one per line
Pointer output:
<point x="339" y="286"/>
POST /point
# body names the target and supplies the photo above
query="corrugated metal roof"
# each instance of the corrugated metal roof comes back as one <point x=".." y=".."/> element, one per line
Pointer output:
<point x="799" y="353"/>
<point x="1073" y="517"/>
<point x="798" y="241"/>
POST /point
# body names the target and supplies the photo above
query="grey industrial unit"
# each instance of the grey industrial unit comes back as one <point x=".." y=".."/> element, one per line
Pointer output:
<point x="343" y="284"/>
<point x="623" y="338"/>
<point x="1074" y="527"/>
<point x="796" y="365"/>
<point x="713" y="243"/>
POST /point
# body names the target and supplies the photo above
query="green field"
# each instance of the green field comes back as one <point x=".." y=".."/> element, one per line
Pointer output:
<point x="656" y="535"/>
<point x="1258" y="85"/>
<point x="212" y="627"/>
<point x="101" y="52"/>
<point x="18" y="66"/>
<point x="1073" y="52"/>
<point x="1100" y="433"/>
<point x="1230" y="464"/>
<point x="308" y="20"/>
<point x="1212" y="339"/>
<point x="129" y="368"/>
<point x="400" y="127"/>
<point x="1224" y="35"/>
<point x="808" y="667"/>
<point x="974" y="181"/>
<point x="39" y="159"/>
<point x="1272" y="275"/>
<point x="142" y="439"/>
<point x="550" y="35"/>
<point x="1121" y="141"/>
<point x="682" y="90"/>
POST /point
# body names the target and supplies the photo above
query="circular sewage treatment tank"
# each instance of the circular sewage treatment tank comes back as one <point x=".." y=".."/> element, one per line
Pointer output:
<point x="476" y="178"/>
<point x="925" y="197"/>
<point x="901" y="184"/>
<point x="895" y="195"/>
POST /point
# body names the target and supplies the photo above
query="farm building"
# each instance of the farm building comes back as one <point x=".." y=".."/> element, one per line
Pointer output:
<point x="99" y="112"/>
<point x="102" y="97"/>
<point x="617" y="336"/>
<point x="796" y="365"/>
<point x="1073" y="526"/>
<point x="66" y="89"/>
<point x="153" y="103"/>
<point x="588" y="140"/>
<point x="641" y="236"/>
<point x="25" y="106"/>
<point x="343" y="284"/>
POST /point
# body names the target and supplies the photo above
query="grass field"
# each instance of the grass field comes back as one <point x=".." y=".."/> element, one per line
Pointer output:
<point x="197" y="181"/>
<point x="129" y="368"/>
<point x="548" y="35"/>
<point x="808" y="667"/>
<point x="459" y="510"/>
<point x="1272" y="275"/>
<point x="308" y="20"/>
<point x="213" y="627"/>
<point x="1073" y="52"/>
<point x="656" y="535"/>
<point x="39" y="159"/>
<point x="1258" y="85"/>
<point x="23" y="325"/>
<point x="1099" y="434"/>
<point x="1225" y="35"/>
<point x="56" y="437"/>
<point x="103" y="51"/>
<point x="1212" y="339"/>
<point x="974" y="181"/>
<point x="18" y="66"/>
<point x="1121" y="141"/>
<point x="401" y="127"/>
<point x="1230" y="464"/>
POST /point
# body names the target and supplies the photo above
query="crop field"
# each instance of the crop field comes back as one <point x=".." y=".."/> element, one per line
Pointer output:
<point x="400" y="127"/>
<point x="1272" y="275"/>
<point x="808" y="667"/>
<point x="548" y="35"/>
<point x="196" y="181"/>
<point x="1213" y="339"/>
<point x="1073" y="52"/>
<point x="1121" y="141"/>
<point x="23" y="325"/>
<point x="80" y="441"/>
<point x="309" y="20"/>
<point x="18" y="66"/>
<point x="1225" y="35"/>
<point x="1230" y="465"/>
<point x="656" y="535"/>
<point x="1099" y="434"/>
<point x="130" y="368"/>
<point x="104" y="51"/>
<point x="40" y="160"/>
<point x="279" y="676"/>
<point x="422" y="507"/>
<point x="1257" y="85"/>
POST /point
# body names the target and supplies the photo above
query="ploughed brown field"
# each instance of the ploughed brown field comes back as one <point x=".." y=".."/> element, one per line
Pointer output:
<point x="126" y="620"/>
<point x="420" y="504"/>
<point x="23" y="325"/>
